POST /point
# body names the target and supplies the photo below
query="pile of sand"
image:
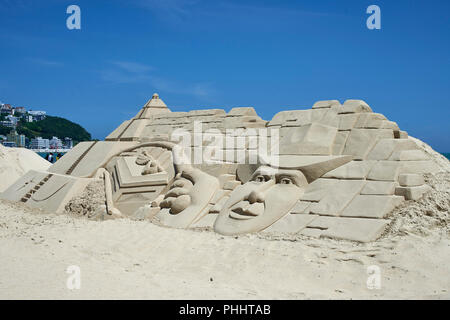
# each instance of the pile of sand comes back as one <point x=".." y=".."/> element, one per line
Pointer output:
<point x="89" y="201"/>
<point x="431" y="213"/>
<point x="15" y="162"/>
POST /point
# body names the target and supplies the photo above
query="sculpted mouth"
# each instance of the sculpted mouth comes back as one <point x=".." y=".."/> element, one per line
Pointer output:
<point x="243" y="210"/>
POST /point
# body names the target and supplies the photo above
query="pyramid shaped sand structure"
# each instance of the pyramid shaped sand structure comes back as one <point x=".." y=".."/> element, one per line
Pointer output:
<point x="153" y="106"/>
<point x="340" y="170"/>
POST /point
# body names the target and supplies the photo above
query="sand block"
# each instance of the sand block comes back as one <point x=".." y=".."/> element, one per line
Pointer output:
<point x="326" y="104"/>
<point x="384" y="171"/>
<point x="299" y="122"/>
<point x="355" y="229"/>
<point x="208" y="118"/>
<point x="379" y="188"/>
<point x="412" y="193"/>
<point x="301" y="207"/>
<point x="361" y="120"/>
<point x="242" y="111"/>
<point x="372" y="121"/>
<point x="419" y="167"/>
<point x="361" y="141"/>
<point x="347" y="121"/>
<point x="219" y="112"/>
<point x="233" y="122"/>
<point x="390" y="125"/>
<point x="312" y="139"/>
<point x="291" y="223"/>
<point x="357" y="170"/>
<point x="371" y="206"/>
<point x="339" y="142"/>
<point x="334" y="202"/>
<point x="318" y="114"/>
<point x="295" y="117"/>
<point x="408" y="155"/>
<point x="318" y="189"/>
<point x="410" y="180"/>
<point x="253" y="125"/>
<point x="354" y="106"/>
<point x="330" y="118"/>
<point x="386" y="147"/>
<point x="403" y="135"/>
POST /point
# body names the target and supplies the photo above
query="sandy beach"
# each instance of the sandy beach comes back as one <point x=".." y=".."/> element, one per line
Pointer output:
<point x="125" y="259"/>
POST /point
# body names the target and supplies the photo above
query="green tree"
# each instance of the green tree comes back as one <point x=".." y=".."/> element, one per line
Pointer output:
<point x="53" y="127"/>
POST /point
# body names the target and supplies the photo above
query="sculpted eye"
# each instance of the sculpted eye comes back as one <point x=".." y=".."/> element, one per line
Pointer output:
<point x="260" y="179"/>
<point x="285" y="181"/>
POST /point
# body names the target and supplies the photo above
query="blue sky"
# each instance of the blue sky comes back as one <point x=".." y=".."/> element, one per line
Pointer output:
<point x="272" y="55"/>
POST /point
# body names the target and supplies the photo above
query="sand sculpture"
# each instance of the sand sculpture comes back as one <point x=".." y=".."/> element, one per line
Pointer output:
<point x="15" y="162"/>
<point x="334" y="171"/>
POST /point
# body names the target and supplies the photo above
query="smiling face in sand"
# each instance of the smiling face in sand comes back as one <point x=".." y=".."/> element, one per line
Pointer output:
<point x="254" y="206"/>
<point x="188" y="197"/>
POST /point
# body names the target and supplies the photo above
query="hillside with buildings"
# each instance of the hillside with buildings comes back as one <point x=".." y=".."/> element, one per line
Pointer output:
<point x="20" y="127"/>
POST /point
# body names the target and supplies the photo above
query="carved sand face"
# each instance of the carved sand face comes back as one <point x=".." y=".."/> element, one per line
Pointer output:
<point x="187" y="198"/>
<point x="178" y="198"/>
<point x="254" y="206"/>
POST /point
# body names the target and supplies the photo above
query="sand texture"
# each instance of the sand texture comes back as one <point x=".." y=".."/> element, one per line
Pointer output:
<point x="137" y="260"/>
<point x="128" y="259"/>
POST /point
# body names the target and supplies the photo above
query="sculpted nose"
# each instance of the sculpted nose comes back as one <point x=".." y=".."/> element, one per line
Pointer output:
<point x="259" y="194"/>
<point x="255" y="196"/>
